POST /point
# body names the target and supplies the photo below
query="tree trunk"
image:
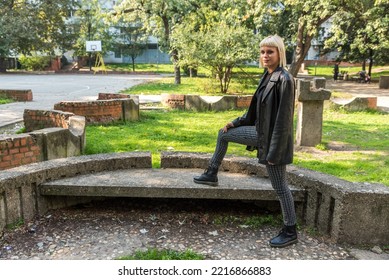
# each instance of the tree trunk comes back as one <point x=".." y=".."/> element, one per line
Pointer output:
<point x="177" y="71"/>
<point x="302" y="47"/>
<point x="177" y="74"/>
<point x="133" y="63"/>
<point x="370" y="61"/>
<point x="3" y="65"/>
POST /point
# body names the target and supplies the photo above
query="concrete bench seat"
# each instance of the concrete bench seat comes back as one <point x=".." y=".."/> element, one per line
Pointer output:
<point x="164" y="183"/>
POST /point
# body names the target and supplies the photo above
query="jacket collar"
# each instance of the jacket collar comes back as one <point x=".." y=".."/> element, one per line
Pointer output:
<point x="272" y="82"/>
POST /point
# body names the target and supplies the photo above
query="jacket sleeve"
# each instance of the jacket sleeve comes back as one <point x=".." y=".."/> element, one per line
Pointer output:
<point x="247" y="118"/>
<point x="283" y="126"/>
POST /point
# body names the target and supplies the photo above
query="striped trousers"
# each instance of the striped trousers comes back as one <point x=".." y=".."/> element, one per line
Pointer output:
<point x="247" y="135"/>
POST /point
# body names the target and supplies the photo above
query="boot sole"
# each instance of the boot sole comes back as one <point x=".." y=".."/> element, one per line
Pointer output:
<point x="284" y="244"/>
<point x="213" y="184"/>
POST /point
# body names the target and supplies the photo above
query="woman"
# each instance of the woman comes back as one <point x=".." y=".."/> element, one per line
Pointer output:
<point x="268" y="127"/>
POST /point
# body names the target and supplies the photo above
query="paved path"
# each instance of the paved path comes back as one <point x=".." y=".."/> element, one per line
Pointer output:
<point x="53" y="88"/>
<point x="362" y="90"/>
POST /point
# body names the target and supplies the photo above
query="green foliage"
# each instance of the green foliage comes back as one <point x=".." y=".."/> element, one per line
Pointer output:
<point x="217" y="40"/>
<point x="5" y="100"/>
<point x="154" y="254"/>
<point x="248" y="222"/>
<point x="28" y="26"/>
<point x="361" y="32"/>
<point x="35" y="63"/>
<point x="259" y="221"/>
<point x="91" y="23"/>
<point x="15" y="225"/>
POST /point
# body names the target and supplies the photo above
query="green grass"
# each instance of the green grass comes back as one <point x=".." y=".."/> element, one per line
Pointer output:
<point x="249" y="222"/>
<point x="355" y="145"/>
<point x="198" y="86"/>
<point x="162" y="131"/>
<point x="140" y="67"/>
<point x="326" y="71"/>
<point x="5" y="100"/>
<point x="15" y="225"/>
<point x="244" y="80"/>
<point x="154" y="254"/>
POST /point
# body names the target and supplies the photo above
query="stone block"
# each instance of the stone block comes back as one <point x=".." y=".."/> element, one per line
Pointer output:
<point x="309" y="123"/>
<point x="130" y="109"/>
<point x="355" y="104"/>
<point x="57" y="143"/>
<point x="307" y="93"/>
<point x="384" y="82"/>
<point x="224" y="103"/>
<point x="196" y="103"/>
<point x="366" y="212"/>
<point x="310" y="112"/>
<point x="77" y="125"/>
<point x="319" y="83"/>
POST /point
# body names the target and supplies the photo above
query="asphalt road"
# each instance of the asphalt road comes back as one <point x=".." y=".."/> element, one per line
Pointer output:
<point x="48" y="89"/>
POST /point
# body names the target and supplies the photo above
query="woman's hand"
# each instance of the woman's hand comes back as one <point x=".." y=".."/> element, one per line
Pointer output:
<point x="227" y="126"/>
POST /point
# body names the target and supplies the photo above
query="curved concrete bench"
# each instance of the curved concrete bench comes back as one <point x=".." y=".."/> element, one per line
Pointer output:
<point x="205" y="103"/>
<point x="355" y="103"/>
<point x="348" y="212"/>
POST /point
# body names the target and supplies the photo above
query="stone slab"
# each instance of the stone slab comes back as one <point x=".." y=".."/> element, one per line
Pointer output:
<point x="165" y="183"/>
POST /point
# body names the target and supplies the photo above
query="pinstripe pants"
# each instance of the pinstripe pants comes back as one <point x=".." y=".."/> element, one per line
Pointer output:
<point x="247" y="135"/>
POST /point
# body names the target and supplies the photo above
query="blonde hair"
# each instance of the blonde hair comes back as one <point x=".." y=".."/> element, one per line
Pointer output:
<point x="277" y="42"/>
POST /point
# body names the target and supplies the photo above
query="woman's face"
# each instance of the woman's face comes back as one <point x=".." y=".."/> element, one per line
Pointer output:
<point x="270" y="57"/>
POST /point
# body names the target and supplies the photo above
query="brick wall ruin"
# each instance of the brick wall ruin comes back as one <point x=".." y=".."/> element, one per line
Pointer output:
<point x="17" y="94"/>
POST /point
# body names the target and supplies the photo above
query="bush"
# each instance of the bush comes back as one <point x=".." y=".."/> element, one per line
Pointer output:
<point x="35" y="63"/>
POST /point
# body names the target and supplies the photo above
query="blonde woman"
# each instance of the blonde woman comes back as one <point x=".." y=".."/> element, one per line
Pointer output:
<point x="267" y="126"/>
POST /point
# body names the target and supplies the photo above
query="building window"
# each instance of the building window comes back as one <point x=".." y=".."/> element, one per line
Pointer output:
<point x="152" y="46"/>
<point x="118" y="53"/>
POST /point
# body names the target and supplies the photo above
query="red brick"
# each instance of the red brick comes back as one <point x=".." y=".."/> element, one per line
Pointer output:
<point x="16" y="162"/>
<point x="6" y="158"/>
<point x="14" y="151"/>
<point x="5" y="164"/>
<point x="18" y="156"/>
<point x="29" y="154"/>
<point x="23" y="141"/>
<point x="24" y="149"/>
<point x="27" y="160"/>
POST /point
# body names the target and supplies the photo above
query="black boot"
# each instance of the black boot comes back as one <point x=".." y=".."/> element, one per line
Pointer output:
<point x="287" y="236"/>
<point x="209" y="177"/>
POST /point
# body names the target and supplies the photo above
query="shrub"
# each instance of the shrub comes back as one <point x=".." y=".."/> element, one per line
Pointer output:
<point x="35" y="63"/>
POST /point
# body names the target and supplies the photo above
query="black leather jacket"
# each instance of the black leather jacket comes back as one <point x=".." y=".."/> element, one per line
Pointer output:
<point x="273" y="118"/>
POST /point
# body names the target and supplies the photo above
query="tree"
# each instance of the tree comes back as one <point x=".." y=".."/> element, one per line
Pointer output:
<point x="217" y="39"/>
<point x="160" y="17"/>
<point x="34" y="26"/>
<point x="361" y="32"/>
<point x="92" y="23"/>
<point x="132" y="42"/>
<point x="300" y="20"/>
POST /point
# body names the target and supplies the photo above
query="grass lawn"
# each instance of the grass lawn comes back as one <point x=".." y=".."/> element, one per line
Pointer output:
<point x="326" y="71"/>
<point x="244" y="80"/>
<point x="352" y="149"/>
